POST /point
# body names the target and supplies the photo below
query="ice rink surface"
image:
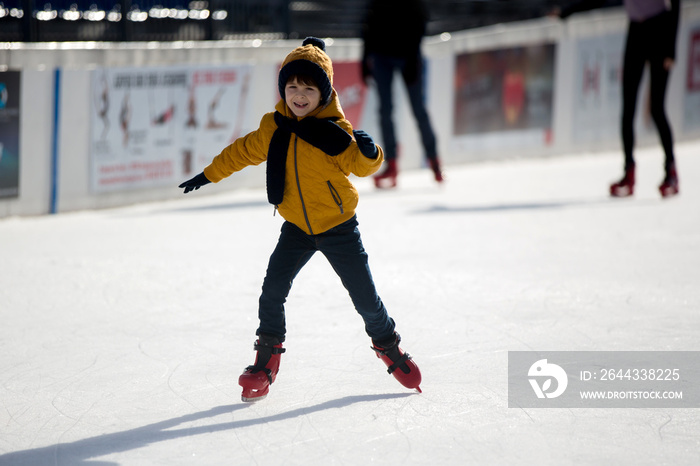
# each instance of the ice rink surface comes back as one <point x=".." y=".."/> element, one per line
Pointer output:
<point x="124" y="331"/>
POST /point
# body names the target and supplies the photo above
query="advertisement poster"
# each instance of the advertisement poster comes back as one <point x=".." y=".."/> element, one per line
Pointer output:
<point x="504" y="90"/>
<point x="597" y="93"/>
<point x="152" y="126"/>
<point x="692" y="97"/>
<point x="347" y="81"/>
<point x="9" y="133"/>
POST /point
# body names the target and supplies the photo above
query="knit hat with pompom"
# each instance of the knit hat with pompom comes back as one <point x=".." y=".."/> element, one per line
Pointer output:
<point x="309" y="60"/>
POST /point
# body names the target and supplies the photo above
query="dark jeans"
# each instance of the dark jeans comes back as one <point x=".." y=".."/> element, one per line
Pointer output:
<point x="383" y="69"/>
<point x="343" y="248"/>
<point x="642" y="46"/>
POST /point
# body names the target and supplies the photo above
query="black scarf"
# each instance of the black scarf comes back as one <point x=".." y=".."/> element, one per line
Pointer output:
<point x="321" y="133"/>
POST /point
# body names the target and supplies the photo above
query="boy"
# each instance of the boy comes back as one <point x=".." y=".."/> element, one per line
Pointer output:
<point x="310" y="152"/>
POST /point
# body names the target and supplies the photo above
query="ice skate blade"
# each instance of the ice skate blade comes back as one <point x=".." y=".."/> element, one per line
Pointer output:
<point x="384" y="183"/>
<point x="253" y="394"/>
<point x="621" y="191"/>
<point x="668" y="192"/>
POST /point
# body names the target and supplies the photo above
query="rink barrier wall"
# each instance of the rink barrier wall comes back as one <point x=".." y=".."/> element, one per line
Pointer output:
<point x="54" y="174"/>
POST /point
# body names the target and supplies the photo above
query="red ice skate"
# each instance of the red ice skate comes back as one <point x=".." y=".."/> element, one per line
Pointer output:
<point x="669" y="187"/>
<point x="256" y="379"/>
<point x="624" y="187"/>
<point x="387" y="178"/>
<point x="400" y="364"/>
<point x="435" y="167"/>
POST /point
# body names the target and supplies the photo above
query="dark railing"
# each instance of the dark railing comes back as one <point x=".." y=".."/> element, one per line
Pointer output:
<point x="171" y="20"/>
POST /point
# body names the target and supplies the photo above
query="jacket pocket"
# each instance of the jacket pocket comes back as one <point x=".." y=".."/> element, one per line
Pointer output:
<point x="336" y="197"/>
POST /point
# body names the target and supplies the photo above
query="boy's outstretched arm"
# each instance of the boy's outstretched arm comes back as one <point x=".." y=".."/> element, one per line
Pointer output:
<point x="195" y="183"/>
<point x="362" y="158"/>
<point x="365" y="144"/>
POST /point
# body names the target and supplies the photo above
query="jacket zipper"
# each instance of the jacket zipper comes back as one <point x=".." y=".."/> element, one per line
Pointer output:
<point x="336" y="197"/>
<point x="301" y="197"/>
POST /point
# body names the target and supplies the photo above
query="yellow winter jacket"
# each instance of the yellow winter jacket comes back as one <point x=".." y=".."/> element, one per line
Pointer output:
<point x="318" y="194"/>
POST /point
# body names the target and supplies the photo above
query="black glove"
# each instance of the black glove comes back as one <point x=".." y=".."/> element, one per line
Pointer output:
<point x="195" y="183"/>
<point x="365" y="144"/>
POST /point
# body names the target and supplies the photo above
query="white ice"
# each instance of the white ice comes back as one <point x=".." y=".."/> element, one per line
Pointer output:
<point x="124" y="331"/>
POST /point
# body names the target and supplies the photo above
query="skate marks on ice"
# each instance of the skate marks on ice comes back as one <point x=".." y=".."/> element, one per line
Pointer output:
<point x="213" y="206"/>
<point x="81" y="451"/>
<point x="439" y="209"/>
<point x="534" y="205"/>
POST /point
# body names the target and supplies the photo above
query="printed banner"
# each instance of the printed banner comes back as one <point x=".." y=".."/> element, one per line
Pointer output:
<point x="151" y="126"/>
<point x="603" y="379"/>
<point x="9" y="133"/>
<point x="347" y="81"/>
<point x="504" y="90"/>
<point x="692" y="90"/>
<point x="598" y="92"/>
